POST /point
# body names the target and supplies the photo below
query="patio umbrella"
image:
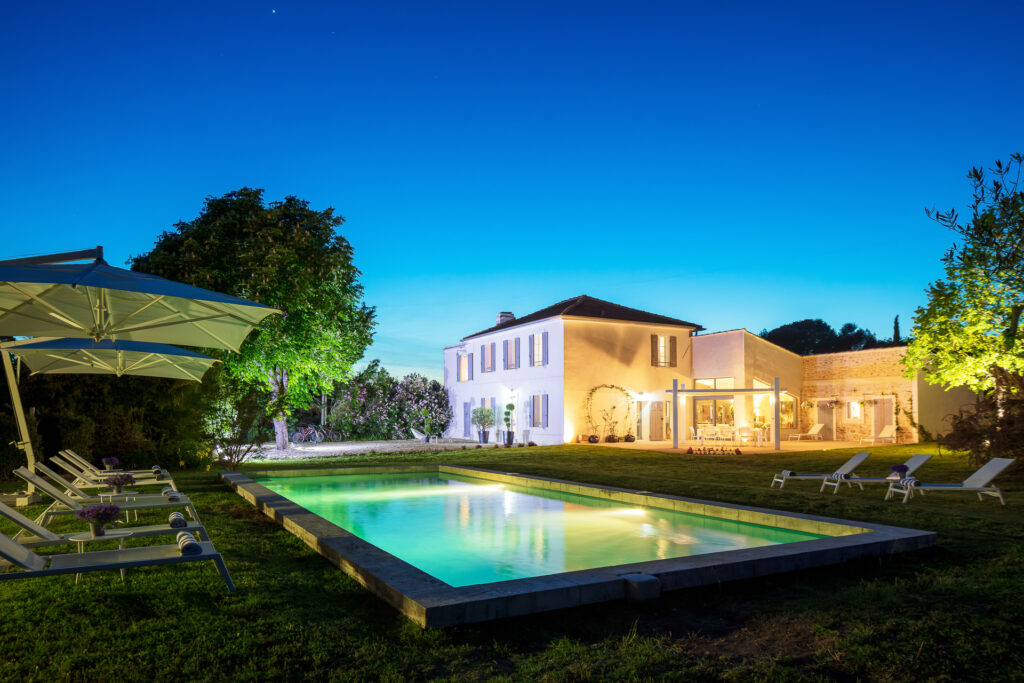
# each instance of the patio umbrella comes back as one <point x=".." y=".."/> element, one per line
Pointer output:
<point x="44" y="298"/>
<point x="109" y="357"/>
<point x="105" y="357"/>
<point x="47" y="296"/>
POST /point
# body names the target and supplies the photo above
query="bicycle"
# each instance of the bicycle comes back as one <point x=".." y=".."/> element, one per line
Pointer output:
<point x="307" y="434"/>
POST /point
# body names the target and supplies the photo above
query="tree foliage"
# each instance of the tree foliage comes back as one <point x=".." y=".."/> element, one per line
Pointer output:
<point x="286" y="255"/>
<point x="808" y="337"/>
<point x="968" y="334"/>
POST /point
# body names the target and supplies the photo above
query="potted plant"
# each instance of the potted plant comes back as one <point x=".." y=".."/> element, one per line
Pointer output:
<point x="510" y="408"/>
<point x="110" y="463"/>
<point x="629" y="438"/>
<point x="483" y="418"/>
<point x="594" y="438"/>
<point x="119" y="481"/>
<point x="98" y="517"/>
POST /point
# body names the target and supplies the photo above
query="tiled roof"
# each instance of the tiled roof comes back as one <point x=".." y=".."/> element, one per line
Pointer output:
<point x="588" y="307"/>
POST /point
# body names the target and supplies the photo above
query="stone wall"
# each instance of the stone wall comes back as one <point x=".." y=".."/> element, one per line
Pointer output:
<point x="872" y="379"/>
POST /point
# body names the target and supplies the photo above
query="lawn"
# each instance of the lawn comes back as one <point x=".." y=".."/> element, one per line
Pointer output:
<point x="953" y="612"/>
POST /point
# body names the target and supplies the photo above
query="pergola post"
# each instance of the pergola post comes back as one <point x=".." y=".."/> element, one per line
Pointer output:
<point x="776" y="414"/>
<point x="675" y="413"/>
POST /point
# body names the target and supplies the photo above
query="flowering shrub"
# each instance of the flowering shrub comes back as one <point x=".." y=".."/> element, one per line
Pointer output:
<point x="112" y="462"/>
<point x="373" y="405"/>
<point x="119" y="480"/>
<point x="100" y="514"/>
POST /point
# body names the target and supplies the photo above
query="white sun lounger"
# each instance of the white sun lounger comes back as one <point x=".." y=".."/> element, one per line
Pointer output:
<point x="846" y="468"/>
<point x="84" y="479"/>
<point x="913" y="463"/>
<point x="89" y="467"/>
<point x="65" y="504"/>
<point x="888" y="433"/>
<point x="76" y="492"/>
<point x="36" y="535"/>
<point x="976" y="483"/>
<point x="33" y="565"/>
<point x="813" y="433"/>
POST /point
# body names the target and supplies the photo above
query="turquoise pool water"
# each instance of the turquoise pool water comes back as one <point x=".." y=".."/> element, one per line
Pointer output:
<point x="467" y="531"/>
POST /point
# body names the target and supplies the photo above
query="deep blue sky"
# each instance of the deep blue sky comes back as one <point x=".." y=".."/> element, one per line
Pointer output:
<point x="732" y="164"/>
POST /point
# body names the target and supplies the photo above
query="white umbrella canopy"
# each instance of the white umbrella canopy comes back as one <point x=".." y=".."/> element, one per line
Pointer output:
<point x="43" y="297"/>
<point x="110" y="357"/>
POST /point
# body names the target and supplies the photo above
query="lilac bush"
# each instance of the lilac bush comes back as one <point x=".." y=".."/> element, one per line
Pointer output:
<point x="373" y="405"/>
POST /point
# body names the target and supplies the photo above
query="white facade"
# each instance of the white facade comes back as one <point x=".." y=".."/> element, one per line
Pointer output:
<point x="536" y="389"/>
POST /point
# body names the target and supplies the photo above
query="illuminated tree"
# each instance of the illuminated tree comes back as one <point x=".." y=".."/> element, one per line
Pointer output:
<point x="968" y="333"/>
<point x="284" y="255"/>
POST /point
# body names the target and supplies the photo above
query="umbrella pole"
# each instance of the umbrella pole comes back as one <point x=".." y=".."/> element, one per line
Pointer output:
<point x="25" y="442"/>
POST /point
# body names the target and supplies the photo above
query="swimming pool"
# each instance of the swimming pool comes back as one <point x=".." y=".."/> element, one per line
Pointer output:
<point x="466" y="530"/>
<point x="449" y="545"/>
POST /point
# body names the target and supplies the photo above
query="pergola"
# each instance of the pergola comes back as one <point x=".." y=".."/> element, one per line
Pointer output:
<point x="678" y="390"/>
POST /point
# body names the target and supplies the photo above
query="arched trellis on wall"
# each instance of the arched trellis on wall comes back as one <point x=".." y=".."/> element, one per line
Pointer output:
<point x="608" y="420"/>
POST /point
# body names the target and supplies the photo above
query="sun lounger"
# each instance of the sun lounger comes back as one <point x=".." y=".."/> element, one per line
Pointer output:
<point x="33" y="535"/>
<point x="844" y="470"/>
<point x="979" y="483"/>
<point x="913" y="463"/>
<point x="888" y="433"/>
<point x="64" y="504"/>
<point x="84" y="479"/>
<point x="89" y="467"/>
<point x="33" y="565"/>
<point x="76" y="492"/>
<point x="813" y="433"/>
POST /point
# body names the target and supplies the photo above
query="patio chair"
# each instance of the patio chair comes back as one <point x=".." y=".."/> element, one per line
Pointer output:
<point x="888" y="433"/>
<point x="976" y="483"/>
<point x="813" y="433"/>
<point x="34" y="535"/>
<point x="66" y="505"/>
<point x="85" y="480"/>
<point x="913" y="463"/>
<point x="33" y="565"/>
<point x="843" y="472"/>
<point x="92" y="469"/>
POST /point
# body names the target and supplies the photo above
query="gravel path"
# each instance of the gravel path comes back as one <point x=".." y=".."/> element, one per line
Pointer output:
<point x="312" y="451"/>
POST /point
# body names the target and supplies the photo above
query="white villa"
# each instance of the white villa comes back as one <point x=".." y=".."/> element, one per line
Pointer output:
<point x="585" y="367"/>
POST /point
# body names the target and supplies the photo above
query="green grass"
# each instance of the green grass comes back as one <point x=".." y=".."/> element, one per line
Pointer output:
<point x="954" y="612"/>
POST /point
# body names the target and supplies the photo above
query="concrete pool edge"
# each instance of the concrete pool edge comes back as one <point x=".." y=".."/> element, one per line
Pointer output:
<point x="432" y="603"/>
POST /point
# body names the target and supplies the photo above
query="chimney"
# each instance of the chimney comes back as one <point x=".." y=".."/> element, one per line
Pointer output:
<point x="505" y="317"/>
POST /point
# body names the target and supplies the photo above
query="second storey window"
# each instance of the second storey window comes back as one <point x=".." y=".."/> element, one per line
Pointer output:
<point x="510" y="350"/>
<point x="539" y="349"/>
<point x="487" y="357"/>
<point x="663" y="351"/>
<point x="465" y="364"/>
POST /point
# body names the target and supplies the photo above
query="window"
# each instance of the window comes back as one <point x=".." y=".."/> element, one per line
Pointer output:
<point x="715" y="411"/>
<point x="465" y="367"/>
<point x="510" y="350"/>
<point x="487" y="357"/>
<point x="787" y="411"/>
<point x="539" y="411"/>
<point x="854" y="411"/>
<point x="539" y="349"/>
<point x="663" y="351"/>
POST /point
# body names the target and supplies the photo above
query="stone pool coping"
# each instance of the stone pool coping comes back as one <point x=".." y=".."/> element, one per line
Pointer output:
<point x="432" y="603"/>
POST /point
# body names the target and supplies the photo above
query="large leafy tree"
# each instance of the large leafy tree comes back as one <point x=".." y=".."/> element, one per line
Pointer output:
<point x="286" y="255"/>
<point x="807" y="337"/>
<point x="969" y="333"/>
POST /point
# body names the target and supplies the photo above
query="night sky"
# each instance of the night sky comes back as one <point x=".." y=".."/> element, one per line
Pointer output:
<point x="732" y="164"/>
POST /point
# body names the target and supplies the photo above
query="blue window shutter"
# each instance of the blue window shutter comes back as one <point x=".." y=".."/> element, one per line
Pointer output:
<point x="492" y="357"/>
<point x="465" y="417"/>
<point x="544" y="411"/>
<point x="483" y="368"/>
<point x="544" y="348"/>
<point x="531" y="350"/>
<point x="471" y="366"/>
<point x="517" y="352"/>
<point x="504" y="353"/>
<point x="529" y="412"/>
